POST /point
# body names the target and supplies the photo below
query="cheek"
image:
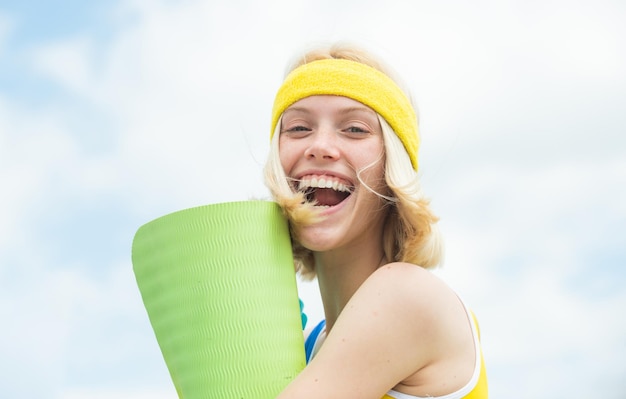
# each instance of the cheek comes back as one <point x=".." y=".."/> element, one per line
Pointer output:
<point x="375" y="174"/>
<point x="371" y="154"/>
<point x="286" y="154"/>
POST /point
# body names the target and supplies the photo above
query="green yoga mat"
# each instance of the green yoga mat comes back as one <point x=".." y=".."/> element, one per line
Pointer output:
<point x="219" y="287"/>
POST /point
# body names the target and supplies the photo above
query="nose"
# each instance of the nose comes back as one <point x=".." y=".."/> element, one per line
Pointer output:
<point x="323" y="145"/>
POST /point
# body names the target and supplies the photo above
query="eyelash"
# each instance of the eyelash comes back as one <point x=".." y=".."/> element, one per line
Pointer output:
<point x="350" y="129"/>
<point x="355" y="129"/>
<point x="298" y="129"/>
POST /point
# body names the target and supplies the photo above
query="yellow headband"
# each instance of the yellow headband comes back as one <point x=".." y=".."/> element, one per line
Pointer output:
<point x="359" y="82"/>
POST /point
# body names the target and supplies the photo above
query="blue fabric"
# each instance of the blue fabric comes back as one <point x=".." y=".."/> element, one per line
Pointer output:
<point x="311" y="339"/>
<point x="303" y="317"/>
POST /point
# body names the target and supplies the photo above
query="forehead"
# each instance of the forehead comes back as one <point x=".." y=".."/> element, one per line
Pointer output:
<point x="328" y="103"/>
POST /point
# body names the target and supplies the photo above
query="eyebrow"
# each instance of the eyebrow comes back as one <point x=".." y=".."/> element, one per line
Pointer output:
<point x="345" y="110"/>
<point x="296" y="109"/>
<point x="361" y="108"/>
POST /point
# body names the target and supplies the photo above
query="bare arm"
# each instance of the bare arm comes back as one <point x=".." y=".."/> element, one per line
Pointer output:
<point x="388" y="331"/>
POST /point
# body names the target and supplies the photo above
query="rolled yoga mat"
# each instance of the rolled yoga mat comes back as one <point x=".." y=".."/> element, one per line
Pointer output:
<point x="219" y="287"/>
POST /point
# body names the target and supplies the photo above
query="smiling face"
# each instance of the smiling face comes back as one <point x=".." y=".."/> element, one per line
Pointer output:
<point x="331" y="148"/>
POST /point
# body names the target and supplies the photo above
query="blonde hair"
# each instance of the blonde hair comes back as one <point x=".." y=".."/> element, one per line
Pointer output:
<point x="410" y="232"/>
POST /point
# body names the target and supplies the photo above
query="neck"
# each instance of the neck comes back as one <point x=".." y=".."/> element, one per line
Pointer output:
<point x="341" y="272"/>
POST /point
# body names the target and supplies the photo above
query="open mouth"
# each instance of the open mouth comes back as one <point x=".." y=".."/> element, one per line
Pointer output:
<point x="324" y="191"/>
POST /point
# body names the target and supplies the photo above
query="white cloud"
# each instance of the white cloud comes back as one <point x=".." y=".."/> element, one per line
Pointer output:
<point x="68" y="62"/>
<point x="187" y="90"/>
<point x="68" y="328"/>
<point x="34" y="152"/>
<point x="186" y="103"/>
<point x="530" y="263"/>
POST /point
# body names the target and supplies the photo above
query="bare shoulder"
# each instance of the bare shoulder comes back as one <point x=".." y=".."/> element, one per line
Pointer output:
<point x="422" y="292"/>
<point x="417" y="296"/>
<point x="409" y="305"/>
<point x="434" y="327"/>
<point x="391" y="328"/>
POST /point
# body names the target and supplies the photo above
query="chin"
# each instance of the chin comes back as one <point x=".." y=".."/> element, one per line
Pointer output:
<point x="317" y="238"/>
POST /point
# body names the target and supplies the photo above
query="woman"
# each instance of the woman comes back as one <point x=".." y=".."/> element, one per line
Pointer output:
<point x="343" y="166"/>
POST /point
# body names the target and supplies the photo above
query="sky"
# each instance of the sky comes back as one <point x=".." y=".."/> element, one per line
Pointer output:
<point x="113" y="113"/>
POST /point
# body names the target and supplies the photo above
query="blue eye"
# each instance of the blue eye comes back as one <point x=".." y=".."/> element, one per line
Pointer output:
<point x="298" y="129"/>
<point x="355" y="129"/>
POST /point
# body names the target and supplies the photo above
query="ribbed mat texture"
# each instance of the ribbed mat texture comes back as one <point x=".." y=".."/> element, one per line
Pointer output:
<point x="219" y="287"/>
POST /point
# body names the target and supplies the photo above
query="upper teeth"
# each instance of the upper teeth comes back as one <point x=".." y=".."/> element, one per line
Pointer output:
<point x="322" y="182"/>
